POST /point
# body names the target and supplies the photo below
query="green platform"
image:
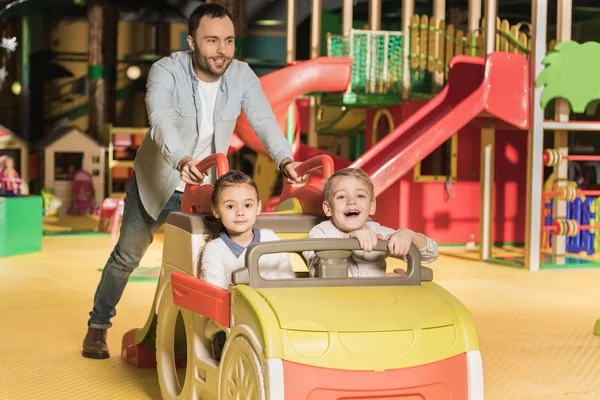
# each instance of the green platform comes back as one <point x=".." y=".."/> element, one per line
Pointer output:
<point x="20" y="225"/>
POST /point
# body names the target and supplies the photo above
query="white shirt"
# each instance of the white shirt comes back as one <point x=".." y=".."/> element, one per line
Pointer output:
<point x="219" y="261"/>
<point x="362" y="264"/>
<point x="208" y="97"/>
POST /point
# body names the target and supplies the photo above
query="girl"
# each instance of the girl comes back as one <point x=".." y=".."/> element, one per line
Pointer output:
<point x="235" y="203"/>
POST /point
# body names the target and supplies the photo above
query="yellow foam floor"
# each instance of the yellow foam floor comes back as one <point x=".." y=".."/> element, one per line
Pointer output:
<point x="535" y="328"/>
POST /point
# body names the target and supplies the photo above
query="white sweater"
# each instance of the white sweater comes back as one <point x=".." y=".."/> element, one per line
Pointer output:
<point x="362" y="264"/>
<point x="219" y="261"/>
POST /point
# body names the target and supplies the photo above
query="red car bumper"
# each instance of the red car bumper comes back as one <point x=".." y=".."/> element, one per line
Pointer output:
<point x="442" y="380"/>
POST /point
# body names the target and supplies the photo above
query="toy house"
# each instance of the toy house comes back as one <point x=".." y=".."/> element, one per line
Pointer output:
<point x="13" y="146"/>
<point x="63" y="153"/>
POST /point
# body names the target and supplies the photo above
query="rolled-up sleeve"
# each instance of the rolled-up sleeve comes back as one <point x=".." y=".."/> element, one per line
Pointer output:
<point x="429" y="253"/>
<point x="162" y="115"/>
<point x="260" y="115"/>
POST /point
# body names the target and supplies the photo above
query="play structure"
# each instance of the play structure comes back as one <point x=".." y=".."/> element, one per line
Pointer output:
<point x="275" y="351"/>
<point x="446" y="120"/>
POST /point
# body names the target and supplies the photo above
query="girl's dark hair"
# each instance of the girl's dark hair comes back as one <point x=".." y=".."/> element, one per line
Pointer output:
<point x="231" y="178"/>
<point x="211" y="10"/>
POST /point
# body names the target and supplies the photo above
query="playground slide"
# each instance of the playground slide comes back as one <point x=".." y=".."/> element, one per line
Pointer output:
<point x="498" y="84"/>
<point x="284" y="86"/>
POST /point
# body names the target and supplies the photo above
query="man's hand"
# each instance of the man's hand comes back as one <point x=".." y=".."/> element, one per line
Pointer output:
<point x="366" y="238"/>
<point x="289" y="171"/>
<point x="399" y="242"/>
<point x="189" y="173"/>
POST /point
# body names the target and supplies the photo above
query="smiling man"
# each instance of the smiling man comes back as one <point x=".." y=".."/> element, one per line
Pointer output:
<point x="193" y="100"/>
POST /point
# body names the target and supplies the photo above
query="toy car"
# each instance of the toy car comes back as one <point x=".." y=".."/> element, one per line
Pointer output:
<point x="334" y="337"/>
<point x="310" y="338"/>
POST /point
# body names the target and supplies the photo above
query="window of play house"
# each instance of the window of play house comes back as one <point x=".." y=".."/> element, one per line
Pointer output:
<point x="66" y="164"/>
<point x="440" y="165"/>
<point x="15" y="154"/>
<point x="383" y="123"/>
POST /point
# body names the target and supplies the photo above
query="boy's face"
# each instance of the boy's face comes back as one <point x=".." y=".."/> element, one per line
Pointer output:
<point x="237" y="208"/>
<point x="350" y="204"/>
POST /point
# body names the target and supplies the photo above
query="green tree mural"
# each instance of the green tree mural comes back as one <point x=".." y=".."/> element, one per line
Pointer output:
<point x="572" y="72"/>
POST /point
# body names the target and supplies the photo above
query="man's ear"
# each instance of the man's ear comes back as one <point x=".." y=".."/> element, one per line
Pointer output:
<point x="372" y="207"/>
<point x="190" y="42"/>
<point x="326" y="208"/>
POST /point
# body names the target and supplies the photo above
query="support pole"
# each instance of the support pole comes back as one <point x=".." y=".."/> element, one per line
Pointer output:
<point x="374" y="15"/>
<point x="439" y="9"/>
<point x="102" y="66"/>
<point x="290" y="44"/>
<point x="290" y="57"/>
<point x="315" y="51"/>
<point x="486" y="178"/>
<point x="439" y="12"/>
<point x="347" y="19"/>
<point x="561" y="137"/>
<point x="25" y="79"/>
<point x="474" y="14"/>
<point x="491" y="11"/>
<point x="539" y="19"/>
<point x="408" y="9"/>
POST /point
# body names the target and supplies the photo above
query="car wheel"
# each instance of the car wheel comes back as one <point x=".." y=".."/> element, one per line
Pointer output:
<point x="241" y="372"/>
<point x="174" y="383"/>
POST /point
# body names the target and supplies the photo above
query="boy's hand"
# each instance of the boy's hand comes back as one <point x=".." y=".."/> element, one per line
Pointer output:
<point x="189" y="173"/>
<point x="366" y="238"/>
<point x="399" y="242"/>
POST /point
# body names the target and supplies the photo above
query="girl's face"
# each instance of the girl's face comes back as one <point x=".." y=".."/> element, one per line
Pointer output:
<point x="237" y="208"/>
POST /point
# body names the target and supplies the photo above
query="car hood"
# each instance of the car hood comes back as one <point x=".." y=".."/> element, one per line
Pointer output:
<point x="362" y="309"/>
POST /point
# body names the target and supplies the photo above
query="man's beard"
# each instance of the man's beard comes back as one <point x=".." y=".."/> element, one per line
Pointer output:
<point x="203" y="63"/>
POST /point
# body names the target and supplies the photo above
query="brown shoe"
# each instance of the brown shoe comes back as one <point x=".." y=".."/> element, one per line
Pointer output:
<point x="94" y="344"/>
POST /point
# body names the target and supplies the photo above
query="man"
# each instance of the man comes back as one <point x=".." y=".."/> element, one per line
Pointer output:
<point x="193" y="100"/>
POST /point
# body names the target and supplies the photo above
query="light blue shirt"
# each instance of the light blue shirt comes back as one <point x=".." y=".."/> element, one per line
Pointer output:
<point x="174" y="110"/>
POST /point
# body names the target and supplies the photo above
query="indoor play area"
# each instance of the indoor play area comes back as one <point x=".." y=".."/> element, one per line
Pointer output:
<point x="476" y="121"/>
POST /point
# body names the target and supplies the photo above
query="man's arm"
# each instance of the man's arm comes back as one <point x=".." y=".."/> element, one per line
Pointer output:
<point x="163" y="116"/>
<point x="260" y="115"/>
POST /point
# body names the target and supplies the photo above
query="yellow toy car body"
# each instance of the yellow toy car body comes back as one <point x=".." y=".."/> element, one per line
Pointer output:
<point x="401" y="337"/>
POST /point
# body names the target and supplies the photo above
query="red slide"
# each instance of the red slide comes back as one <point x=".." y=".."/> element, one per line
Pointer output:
<point x="498" y="84"/>
<point x="284" y="86"/>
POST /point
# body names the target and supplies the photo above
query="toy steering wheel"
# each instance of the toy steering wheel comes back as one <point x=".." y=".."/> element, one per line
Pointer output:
<point x="333" y="252"/>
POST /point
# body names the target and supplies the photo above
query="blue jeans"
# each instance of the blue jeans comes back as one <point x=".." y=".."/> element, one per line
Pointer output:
<point x="137" y="232"/>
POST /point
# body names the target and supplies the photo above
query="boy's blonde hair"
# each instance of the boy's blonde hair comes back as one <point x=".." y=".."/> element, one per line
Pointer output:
<point x="352" y="172"/>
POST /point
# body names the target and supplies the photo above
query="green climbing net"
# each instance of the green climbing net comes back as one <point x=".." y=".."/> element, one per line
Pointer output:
<point x="378" y="60"/>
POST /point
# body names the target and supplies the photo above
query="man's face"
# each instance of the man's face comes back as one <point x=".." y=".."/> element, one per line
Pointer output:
<point x="213" y="47"/>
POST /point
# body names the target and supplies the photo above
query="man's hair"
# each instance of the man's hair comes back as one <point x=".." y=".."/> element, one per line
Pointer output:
<point x="211" y="10"/>
<point x="231" y="178"/>
<point x="353" y="172"/>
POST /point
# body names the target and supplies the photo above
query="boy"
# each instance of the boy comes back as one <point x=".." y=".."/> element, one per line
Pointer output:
<point x="349" y="200"/>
